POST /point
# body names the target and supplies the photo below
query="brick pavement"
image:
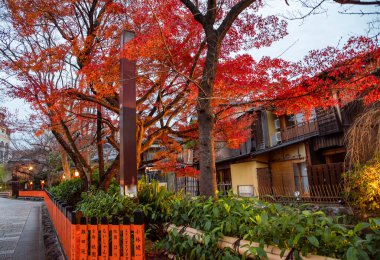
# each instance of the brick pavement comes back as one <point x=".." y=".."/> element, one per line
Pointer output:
<point x="20" y="230"/>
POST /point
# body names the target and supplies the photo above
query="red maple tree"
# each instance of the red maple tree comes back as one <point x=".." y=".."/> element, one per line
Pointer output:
<point x="189" y="65"/>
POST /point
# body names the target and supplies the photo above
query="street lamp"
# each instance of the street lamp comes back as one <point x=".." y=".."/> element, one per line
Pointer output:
<point x="128" y="162"/>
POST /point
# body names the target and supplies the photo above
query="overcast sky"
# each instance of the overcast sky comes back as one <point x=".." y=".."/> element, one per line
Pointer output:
<point x="314" y="32"/>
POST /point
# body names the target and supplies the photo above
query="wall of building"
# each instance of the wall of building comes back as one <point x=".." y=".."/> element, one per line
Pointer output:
<point x="4" y="144"/>
<point x="245" y="173"/>
<point x="291" y="152"/>
<point x="271" y="127"/>
<point x="282" y="164"/>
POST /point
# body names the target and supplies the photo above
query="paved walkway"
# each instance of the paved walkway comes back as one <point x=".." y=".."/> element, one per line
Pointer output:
<point x="20" y="230"/>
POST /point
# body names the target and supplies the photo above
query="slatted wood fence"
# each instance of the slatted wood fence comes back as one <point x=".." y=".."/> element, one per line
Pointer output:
<point x="94" y="238"/>
<point x="312" y="193"/>
<point x="325" y="174"/>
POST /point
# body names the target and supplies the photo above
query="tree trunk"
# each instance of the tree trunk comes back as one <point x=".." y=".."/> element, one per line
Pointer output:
<point x="99" y="141"/>
<point x="112" y="171"/>
<point x="207" y="180"/>
<point x="76" y="157"/>
<point x="65" y="163"/>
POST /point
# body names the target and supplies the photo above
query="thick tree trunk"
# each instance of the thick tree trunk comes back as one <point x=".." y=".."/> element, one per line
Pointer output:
<point x="207" y="180"/>
<point x="75" y="157"/>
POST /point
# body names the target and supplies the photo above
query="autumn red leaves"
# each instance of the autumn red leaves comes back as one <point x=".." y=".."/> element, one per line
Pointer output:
<point x="192" y="67"/>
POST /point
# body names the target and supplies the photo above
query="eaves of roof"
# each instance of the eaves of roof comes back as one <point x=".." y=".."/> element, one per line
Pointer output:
<point x="298" y="140"/>
<point x="269" y="149"/>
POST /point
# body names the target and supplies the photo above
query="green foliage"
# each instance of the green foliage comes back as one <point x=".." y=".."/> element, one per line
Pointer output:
<point x="156" y="201"/>
<point x="2" y="173"/>
<point x="364" y="186"/>
<point x="68" y="191"/>
<point x="111" y="203"/>
<point x="306" y="231"/>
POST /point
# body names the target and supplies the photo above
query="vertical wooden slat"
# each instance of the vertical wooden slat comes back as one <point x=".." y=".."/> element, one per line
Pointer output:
<point x="115" y="233"/>
<point x="138" y="231"/>
<point x="68" y="230"/>
<point x="58" y="219"/>
<point x="104" y="238"/>
<point x="328" y="190"/>
<point x="54" y="212"/>
<point x="126" y="229"/>
<point x="334" y="176"/>
<point x="93" y="228"/>
<point x="83" y="242"/>
<point x="322" y="175"/>
<point x="74" y="234"/>
<point x="64" y="224"/>
<point x="324" y="191"/>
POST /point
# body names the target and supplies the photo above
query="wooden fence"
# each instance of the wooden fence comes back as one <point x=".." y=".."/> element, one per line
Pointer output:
<point x="94" y="238"/>
<point x="323" y="174"/>
<point x="312" y="193"/>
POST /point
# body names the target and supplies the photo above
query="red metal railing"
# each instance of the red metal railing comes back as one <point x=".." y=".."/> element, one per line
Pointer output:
<point x="94" y="239"/>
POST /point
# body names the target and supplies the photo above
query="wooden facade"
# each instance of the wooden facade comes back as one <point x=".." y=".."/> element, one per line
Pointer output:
<point x="303" y="129"/>
<point x="328" y="121"/>
<point x="264" y="179"/>
<point x="325" y="174"/>
<point x="257" y="134"/>
<point x="308" y="160"/>
<point x="327" y="141"/>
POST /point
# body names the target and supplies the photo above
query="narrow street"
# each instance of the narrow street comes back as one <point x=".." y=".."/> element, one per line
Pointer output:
<point x="20" y="230"/>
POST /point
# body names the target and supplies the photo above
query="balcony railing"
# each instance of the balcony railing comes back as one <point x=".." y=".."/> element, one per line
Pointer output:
<point x="303" y="129"/>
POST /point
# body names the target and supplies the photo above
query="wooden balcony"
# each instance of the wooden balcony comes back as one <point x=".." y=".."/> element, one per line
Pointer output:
<point x="303" y="129"/>
<point x="328" y="121"/>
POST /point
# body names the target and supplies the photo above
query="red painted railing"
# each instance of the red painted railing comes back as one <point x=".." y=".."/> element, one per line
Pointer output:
<point x="94" y="239"/>
<point x="32" y="193"/>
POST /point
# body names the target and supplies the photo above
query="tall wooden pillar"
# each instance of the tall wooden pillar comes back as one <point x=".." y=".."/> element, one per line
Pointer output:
<point x="128" y="162"/>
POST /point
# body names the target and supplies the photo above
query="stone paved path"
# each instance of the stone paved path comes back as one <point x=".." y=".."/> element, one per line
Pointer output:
<point x="20" y="230"/>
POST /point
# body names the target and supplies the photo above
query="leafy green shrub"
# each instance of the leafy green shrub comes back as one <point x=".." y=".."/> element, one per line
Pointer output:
<point x="306" y="231"/>
<point x="111" y="203"/>
<point x="156" y="202"/>
<point x="68" y="191"/>
<point x="364" y="185"/>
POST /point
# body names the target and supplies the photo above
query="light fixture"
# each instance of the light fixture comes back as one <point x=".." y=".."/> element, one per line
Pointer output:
<point x="30" y="168"/>
<point x="63" y="177"/>
<point x="76" y="173"/>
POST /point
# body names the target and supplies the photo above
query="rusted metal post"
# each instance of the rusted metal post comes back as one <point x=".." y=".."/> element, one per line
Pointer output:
<point x="128" y="162"/>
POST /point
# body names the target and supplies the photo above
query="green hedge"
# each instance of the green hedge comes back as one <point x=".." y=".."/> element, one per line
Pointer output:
<point x="306" y="231"/>
<point x="111" y="203"/>
<point x="68" y="191"/>
<point x="269" y="224"/>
